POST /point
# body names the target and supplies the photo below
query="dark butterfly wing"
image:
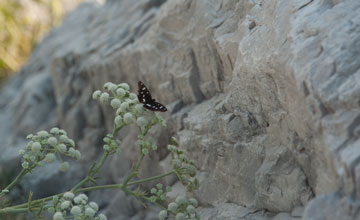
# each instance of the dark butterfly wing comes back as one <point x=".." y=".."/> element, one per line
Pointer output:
<point x="145" y="98"/>
<point x="155" y="106"/>
<point x="144" y="95"/>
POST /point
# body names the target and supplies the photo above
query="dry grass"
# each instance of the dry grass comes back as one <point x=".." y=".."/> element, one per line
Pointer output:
<point x="22" y="25"/>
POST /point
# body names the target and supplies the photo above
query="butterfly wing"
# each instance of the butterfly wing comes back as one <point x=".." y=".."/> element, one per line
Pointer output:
<point x="155" y="106"/>
<point x="145" y="98"/>
<point x="144" y="95"/>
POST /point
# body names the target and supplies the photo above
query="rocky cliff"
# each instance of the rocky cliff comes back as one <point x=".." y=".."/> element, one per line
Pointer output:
<point x="265" y="96"/>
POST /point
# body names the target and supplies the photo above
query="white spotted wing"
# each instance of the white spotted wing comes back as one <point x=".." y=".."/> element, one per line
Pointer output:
<point x="145" y="98"/>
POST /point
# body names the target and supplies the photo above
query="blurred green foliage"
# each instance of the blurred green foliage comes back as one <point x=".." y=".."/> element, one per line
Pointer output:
<point x="22" y="24"/>
<point x="6" y="177"/>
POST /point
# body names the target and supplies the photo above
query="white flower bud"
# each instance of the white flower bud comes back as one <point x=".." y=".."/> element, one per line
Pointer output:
<point x="104" y="97"/>
<point x="71" y="142"/>
<point x="25" y="165"/>
<point x="77" y="199"/>
<point x="108" y="85"/>
<point x="50" y="157"/>
<point x="62" y="132"/>
<point x="133" y="96"/>
<point x="54" y="130"/>
<point x="145" y="151"/>
<point x="52" y="141"/>
<point x="58" y="216"/>
<point x="183" y="157"/>
<point x="190" y="209"/>
<point x="193" y="202"/>
<point x="51" y="210"/>
<point x="68" y="195"/>
<point x="94" y="206"/>
<point x="89" y="212"/>
<point x="120" y="92"/>
<point x="124" y="86"/>
<point x="96" y="94"/>
<point x="115" y="103"/>
<point x="180" y="216"/>
<point x="162" y="214"/>
<point x="77" y="154"/>
<point x="32" y="157"/>
<point x="83" y="197"/>
<point x="118" y="111"/>
<point x="63" y="139"/>
<point x="102" y="217"/>
<point x="29" y="136"/>
<point x="112" y="87"/>
<point x="42" y="134"/>
<point x="139" y="108"/>
<point x="64" y="166"/>
<point x="124" y="106"/>
<point x="173" y="206"/>
<point x="65" y="205"/>
<point x="72" y="151"/>
<point x="76" y="210"/>
<point x="180" y="200"/>
<point x="106" y="147"/>
<point x="61" y="148"/>
<point x="35" y="147"/>
<point x="128" y="118"/>
<point x="118" y="120"/>
<point x="141" y="121"/>
<point x="21" y="152"/>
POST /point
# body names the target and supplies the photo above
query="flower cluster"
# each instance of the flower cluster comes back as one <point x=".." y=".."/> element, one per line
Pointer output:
<point x="77" y="206"/>
<point x="158" y="193"/>
<point x="127" y="106"/>
<point x="45" y="146"/>
<point x="111" y="144"/>
<point x="181" y="209"/>
<point x="146" y="145"/>
<point x="185" y="168"/>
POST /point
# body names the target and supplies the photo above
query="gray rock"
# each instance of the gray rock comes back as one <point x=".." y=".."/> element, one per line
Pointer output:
<point x="331" y="207"/>
<point x="297" y="211"/>
<point x="284" y="216"/>
<point x="264" y="95"/>
<point x="228" y="211"/>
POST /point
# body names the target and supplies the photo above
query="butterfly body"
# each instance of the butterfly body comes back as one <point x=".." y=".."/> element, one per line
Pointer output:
<point x="148" y="102"/>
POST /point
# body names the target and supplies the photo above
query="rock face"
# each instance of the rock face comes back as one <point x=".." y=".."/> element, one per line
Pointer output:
<point x="265" y="95"/>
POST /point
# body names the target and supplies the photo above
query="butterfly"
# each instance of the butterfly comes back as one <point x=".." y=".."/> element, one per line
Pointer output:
<point x="145" y="98"/>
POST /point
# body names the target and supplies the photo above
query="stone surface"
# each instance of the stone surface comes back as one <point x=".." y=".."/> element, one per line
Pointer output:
<point x="285" y="216"/>
<point x="332" y="207"/>
<point x="264" y="95"/>
<point x="230" y="211"/>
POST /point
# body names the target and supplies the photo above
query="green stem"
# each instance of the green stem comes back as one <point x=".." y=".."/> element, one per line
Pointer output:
<point x="92" y="188"/>
<point x="111" y="186"/>
<point x="35" y="202"/>
<point x="82" y="182"/>
<point x="143" y="197"/>
<point x="155" y="203"/>
<point x="135" y="171"/>
<point x="137" y="167"/>
<point x="16" y="210"/>
<point x="76" y="189"/>
<point x="122" y="186"/>
<point x="22" y="173"/>
<point x="98" y="166"/>
<point x="151" y="178"/>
